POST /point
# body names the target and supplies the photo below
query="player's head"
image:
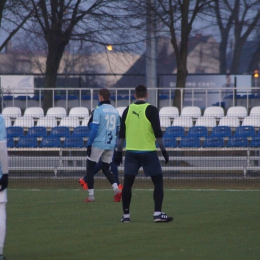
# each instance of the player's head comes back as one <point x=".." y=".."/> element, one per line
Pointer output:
<point x="141" y="92"/>
<point x="104" y="94"/>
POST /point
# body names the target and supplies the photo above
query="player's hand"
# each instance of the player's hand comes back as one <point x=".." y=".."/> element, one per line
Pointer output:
<point x="4" y="182"/>
<point x="166" y="156"/>
<point x="89" y="150"/>
<point x="118" y="158"/>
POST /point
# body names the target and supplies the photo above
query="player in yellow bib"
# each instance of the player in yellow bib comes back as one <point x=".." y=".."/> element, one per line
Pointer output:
<point x="140" y="127"/>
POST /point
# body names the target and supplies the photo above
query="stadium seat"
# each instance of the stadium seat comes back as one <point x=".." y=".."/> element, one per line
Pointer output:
<point x="221" y="131"/>
<point x="10" y="142"/>
<point x="85" y="121"/>
<point x="50" y="141"/>
<point x="24" y="121"/>
<point x="27" y="141"/>
<point x="207" y="121"/>
<point x="79" y="112"/>
<point x="255" y="142"/>
<point x="169" y="141"/>
<point x="214" y="111"/>
<point x="37" y="131"/>
<point x="198" y="131"/>
<point x="189" y="141"/>
<point x="170" y="112"/>
<point x="48" y="122"/>
<point x="14" y="131"/>
<point x="237" y="111"/>
<point x="184" y="121"/>
<point x="34" y="112"/>
<point x="237" y="141"/>
<point x="120" y="110"/>
<point x="73" y="141"/>
<point x="70" y="121"/>
<point x="174" y="131"/>
<point x="60" y="131"/>
<point x="12" y="112"/>
<point x="251" y="121"/>
<point x="229" y="121"/>
<point x="191" y="111"/>
<point x="165" y="122"/>
<point x="213" y="141"/>
<point x="255" y="111"/>
<point x="57" y="112"/>
<point x="245" y="131"/>
<point x="81" y="131"/>
<point x="8" y="121"/>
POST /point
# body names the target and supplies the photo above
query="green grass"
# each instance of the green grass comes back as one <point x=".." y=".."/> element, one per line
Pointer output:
<point x="57" y="224"/>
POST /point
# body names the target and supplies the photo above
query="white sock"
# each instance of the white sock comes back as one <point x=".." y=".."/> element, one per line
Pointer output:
<point x="157" y="213"/>
<point x="126" y="215"/>
<point x="115" y="186"/>
<point x="91" y="193"/>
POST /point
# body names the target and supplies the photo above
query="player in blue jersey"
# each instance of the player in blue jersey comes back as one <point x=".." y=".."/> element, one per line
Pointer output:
<point x="101" y="144"/>
<point x="3" y="184"/>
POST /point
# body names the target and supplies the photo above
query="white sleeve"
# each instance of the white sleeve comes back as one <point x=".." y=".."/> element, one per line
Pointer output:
<point x="3" y="157"/>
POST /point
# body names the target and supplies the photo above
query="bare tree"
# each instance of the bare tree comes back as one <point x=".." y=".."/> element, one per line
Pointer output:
<point x="238" y="16"/>
<point x="11" y="20"/>
<point x="177" y="18"/>
<point x="60" y="22"/>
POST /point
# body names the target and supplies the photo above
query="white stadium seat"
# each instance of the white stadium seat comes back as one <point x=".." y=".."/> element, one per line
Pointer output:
<point x="79" y="112"/>
<point x="214" y="111"/>
<point x="12" y="112"/>
<point x="192" y="111"/>
<point x="237" y="111"/>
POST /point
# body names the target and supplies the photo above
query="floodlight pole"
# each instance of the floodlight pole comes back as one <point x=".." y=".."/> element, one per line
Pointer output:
<point x="151" y="49"/>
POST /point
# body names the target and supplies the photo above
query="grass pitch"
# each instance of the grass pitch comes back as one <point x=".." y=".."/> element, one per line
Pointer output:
<point x="57" y="224"/>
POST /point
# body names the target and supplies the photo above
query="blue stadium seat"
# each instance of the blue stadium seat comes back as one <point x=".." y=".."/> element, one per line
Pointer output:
<point x="170" y="141"/>
<point x="14" y="131"/>
<point x="198" y="131"/>
<point x="174" y="131"/>
<point x="10" y="142"/>
<point x="221" y="131"/>
<point x="189" y="141"/>
<point x="255" y="142"/>
<point x="213" y="141"/>
<point x="50" y="141"/>
<point x="37" y="131"/>
<point x="237" y="141"/>
<point x="81" y="131"/>
<point x="73" y="141"/>
<point x="27" y="141"/>
<point x="245" y="131"/>
<point x="60" y="131"/>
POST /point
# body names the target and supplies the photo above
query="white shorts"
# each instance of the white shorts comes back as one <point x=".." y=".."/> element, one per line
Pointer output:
<point x="105" y="155"/>
<point x="3" y="196"/>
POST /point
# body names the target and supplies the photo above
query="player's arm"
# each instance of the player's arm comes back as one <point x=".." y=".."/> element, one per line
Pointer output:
<point x="121" y="139"/>
<point x="3" y="156"/>
<point x="152" y="114"/>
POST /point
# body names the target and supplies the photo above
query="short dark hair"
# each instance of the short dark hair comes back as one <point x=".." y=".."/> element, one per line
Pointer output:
<point x="105" y="93"/>
<point x="141" y="91"/>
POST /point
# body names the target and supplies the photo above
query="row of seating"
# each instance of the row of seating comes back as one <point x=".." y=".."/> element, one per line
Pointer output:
<point x="37" y="112"/>
<point x="48" y="142"/>
<point x="212" y="142"/>
<point x="217" y="131"/>
<point x="213" y="111"/>
<point x="231" y="121"/>
<point x="41" y="132"/>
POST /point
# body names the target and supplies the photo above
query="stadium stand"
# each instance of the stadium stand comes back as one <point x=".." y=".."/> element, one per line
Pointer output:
<point x="8" y="121"/>
<point x="27" y="141"/>
<point x="12" y="112"/>
<point x="57" y="112"/>
<point x="73" y="141"/>
<point x="214" y="111"/>
<point x="237" y="111"/>
<point x="34" y="112"/>
<point x="79" y="112"/>
<point x="191" y="111"/>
